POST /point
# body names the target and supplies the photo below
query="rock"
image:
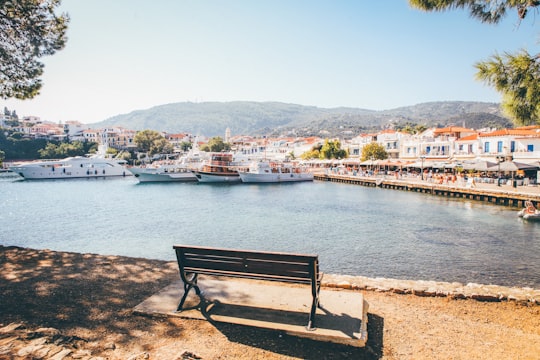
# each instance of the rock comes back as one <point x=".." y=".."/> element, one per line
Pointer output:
<point x="485" y="297"/>
<point x="5" y="349"/>
<point x="41" y="353"/>
<point x="81" y="354"/>
<point x="27" y="350"/>
<point x="188" y="355"/>
<point x="11" y="327"/>
<point x="47" y="331"/>
<point x="344" y="285"/>
<point x="61" y="355"/>
<point x="109" y="346"/>
<point x="141" y="356"/>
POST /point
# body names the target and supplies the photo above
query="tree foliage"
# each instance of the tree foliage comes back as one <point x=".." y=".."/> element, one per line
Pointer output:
<point x="314" y="153"/>
<point x="16" y="147"/>
<point x="374" y="151"/>
<point x="62" y="150"/>
<point x="487" y="11"/>
<point x="332" y="150"/>
<point x="515" y="76"/>
<point x="411" y="128"/>
<point x="152" y="142"/>
<point x="185" y="146"/>
<point x="216" y="144"/>
<point x="29" y="30"/>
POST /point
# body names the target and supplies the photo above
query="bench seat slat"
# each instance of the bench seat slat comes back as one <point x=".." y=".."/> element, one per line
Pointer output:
<point x="300" y="280"/>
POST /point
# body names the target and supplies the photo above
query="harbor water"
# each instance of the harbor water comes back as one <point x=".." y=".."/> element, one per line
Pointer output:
<point x="355" y="230"/>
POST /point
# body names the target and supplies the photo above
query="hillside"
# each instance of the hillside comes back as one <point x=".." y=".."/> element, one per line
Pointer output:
<point x="275" y="118"/>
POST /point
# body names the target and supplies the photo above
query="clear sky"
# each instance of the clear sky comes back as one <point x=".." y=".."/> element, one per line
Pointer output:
<point x="127" y="55"/>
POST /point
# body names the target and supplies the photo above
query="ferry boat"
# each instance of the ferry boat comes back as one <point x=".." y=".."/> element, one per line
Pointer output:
<point x="274" y="172"/>
<point x="220" y="168"/>
<point x="71" y="168"/>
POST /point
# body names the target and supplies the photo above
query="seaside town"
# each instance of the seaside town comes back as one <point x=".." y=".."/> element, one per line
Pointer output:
<point x="504" y="153"/>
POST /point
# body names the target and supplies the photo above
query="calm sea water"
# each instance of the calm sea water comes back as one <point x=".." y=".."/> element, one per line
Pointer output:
<point x="354" y="230"/>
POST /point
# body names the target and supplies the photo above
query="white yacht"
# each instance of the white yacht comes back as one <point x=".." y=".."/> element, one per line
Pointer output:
<point x="274" y="172"/>
<point x="180" y="170"/>
<point x="71" y="168"/>
<point x="163" y="173"/>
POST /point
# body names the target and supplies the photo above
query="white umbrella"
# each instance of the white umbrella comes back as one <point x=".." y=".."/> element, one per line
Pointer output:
<point x="420" y="164"/>
<point x="482" y="165"/>
<point x="512" y="166"/>
<point x="369" y="162"/>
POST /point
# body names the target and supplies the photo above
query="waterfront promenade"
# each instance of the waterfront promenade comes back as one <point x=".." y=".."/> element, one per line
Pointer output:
<point x="506" y="194"/>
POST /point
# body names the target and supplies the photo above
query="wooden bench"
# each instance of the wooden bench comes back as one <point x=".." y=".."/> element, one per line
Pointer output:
<point x="259" y="265"/>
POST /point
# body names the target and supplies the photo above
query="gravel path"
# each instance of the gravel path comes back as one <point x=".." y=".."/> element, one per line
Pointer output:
<point x="56" y="305"/>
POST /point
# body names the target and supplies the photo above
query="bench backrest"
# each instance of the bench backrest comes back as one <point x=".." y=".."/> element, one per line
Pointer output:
<point x="261" y="265"/>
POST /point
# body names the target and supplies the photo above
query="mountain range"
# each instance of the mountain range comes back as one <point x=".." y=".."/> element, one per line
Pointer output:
<point x="282" y="119"/>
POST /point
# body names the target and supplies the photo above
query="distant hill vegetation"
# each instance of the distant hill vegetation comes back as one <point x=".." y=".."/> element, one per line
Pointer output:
<point x="276" y="119"/>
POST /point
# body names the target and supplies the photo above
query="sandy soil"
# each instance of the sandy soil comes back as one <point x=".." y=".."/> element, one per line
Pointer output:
<point x="67" y="305"/>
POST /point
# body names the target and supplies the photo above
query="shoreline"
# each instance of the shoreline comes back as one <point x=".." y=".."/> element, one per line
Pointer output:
<point x="423" y="288"/>
<point x="429" y="288"/>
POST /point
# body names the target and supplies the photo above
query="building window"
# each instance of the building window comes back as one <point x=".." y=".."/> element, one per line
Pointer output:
<point x="530" y="148"/>
<point x="499" y="146"/>
<point x="486" y="147"/>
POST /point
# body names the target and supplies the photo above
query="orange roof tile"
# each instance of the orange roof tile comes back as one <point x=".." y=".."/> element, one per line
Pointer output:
<point x="452" y="129"/>
<point x="505" y="132"/>
<point x="469" y="138"/>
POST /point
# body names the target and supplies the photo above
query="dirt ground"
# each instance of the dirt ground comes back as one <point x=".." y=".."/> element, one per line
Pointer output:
<point x="56" y="305"/>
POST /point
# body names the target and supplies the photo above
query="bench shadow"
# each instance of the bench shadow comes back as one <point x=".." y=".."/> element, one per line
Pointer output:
<point x="278" y="341"/>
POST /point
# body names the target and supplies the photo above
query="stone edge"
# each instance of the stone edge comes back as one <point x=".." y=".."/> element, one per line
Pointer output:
<point x="453" y="290"/>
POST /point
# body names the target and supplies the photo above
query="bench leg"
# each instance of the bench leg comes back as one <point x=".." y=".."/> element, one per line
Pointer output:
<point x="315" y="290"/>
<point x="311" y="322"/>
<point x="188" y="285"/>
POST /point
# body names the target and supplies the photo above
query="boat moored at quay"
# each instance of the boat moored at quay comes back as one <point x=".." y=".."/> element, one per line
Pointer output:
<point x="529" y="212"/>
<point x="274" y="172"/>
<point x="71" y="168"/>
<point x="163" y="173"/>
<point x="219" y="169"/>
<point x="178" y="170"/>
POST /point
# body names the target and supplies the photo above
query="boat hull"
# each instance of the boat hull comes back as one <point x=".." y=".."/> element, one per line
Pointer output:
<point x="531" y="217"/>
<point x="248" y="177"/>
<point x="71" y="168"/>
<point x="213" y="177"/>
<point x="147" y="175"/>
<point x="274" y="172"/>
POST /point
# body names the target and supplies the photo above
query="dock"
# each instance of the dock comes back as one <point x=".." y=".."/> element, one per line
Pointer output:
<point x="504" y="195"/>
<point x="272" y="306"/>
